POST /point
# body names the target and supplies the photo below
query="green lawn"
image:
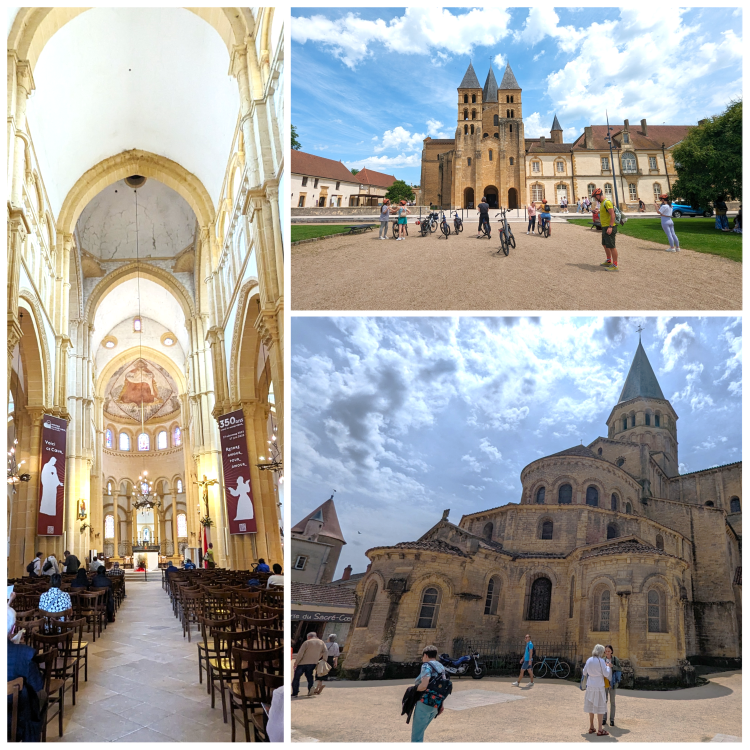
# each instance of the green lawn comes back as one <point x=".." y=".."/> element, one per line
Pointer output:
<point x="305" y="232"/>
<point x="694" y="234"/>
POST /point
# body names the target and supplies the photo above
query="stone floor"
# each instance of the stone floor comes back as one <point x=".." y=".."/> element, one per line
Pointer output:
<point x="143" y="681"/>
<point x="552" y="711"/>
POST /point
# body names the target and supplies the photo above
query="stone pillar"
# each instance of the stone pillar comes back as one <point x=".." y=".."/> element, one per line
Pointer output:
<point x="134" y="521"/>
<point x="174" y="524"/>
<point x="238" y="66"/>
<point x="116" y="513"/>
<point x="24" y="85"/>
<point x="624" y="635"/>
<point x="163" y="527"/>
<point x="18" y="230"/>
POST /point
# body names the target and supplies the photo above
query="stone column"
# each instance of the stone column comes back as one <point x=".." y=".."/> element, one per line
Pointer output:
<point x="116" y="512"/>
<point x="174" y="524"/>
<point x="238" y="66"/>
<point x="624" y="635"/>
<point x="24" y="85"/>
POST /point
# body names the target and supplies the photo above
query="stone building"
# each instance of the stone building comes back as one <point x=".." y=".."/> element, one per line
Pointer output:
<point x="316" y="545"/>
<point x="491" y="156"/>
<point x="608" y="544"/>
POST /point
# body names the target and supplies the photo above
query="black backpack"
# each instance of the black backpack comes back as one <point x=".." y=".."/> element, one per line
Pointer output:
<point x="438" y="689"/>
<point x="30" y="567"/>
<point x="47" y="565"/>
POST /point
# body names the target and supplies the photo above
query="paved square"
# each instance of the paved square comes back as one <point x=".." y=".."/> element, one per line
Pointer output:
<point x="476" y="698"/>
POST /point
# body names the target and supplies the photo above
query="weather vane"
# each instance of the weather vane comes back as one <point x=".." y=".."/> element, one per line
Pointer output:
<point x="639" y="329"/>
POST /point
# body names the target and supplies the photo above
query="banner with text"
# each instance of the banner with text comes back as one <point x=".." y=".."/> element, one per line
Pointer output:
<point x="239" y="495"/>
<point x="52" y="477"/>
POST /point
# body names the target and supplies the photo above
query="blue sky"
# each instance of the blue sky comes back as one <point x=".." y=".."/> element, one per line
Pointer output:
<point x="369" y="85"/>
<point x="405" y="417"/>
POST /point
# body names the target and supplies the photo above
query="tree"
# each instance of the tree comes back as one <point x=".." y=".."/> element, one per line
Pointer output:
<point x="709" y="159"/>
<point x="399" y="191"/>
<point x="354" y="171"/>
<point x="296" y="145"/>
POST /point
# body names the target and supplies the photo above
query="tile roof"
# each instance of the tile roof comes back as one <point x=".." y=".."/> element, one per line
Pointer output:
<point x="331" y="527"/>
<point x="318" y="166"/>
<point x="657" y="134"/>
<point x="470" y="80"/>
<point x="322" y="594"/>
<point x="710" y="468"/>
<point x="378" y="179"/>
<point x="641" y="381"/>
<point x="625" y="547"/>
<point x="576" y="450"/>
<point x="509" y="80"/>
<point x="549" y="148"/>
<point x="428" y="545"/>
<point x="440" y="141"/>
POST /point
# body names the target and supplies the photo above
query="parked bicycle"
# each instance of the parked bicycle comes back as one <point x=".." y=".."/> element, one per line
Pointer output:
<point x="424" y="226"/>
<point x="507" y="240"/>
<point x="458" y="224"/>
<point x="395" y="229"/>
<point x="432" y="219"/>
<point x="552" y="666"/>
<point x="444" y="226"/>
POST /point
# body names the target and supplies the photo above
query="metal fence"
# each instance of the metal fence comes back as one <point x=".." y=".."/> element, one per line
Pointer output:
<point x="501" y="657"/>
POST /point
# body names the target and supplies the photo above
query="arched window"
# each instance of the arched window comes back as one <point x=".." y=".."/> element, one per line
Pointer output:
<point x="466" y="114"/>
<point x="493" y="595"/>
<point x="710" y="504"/>
<point x="466" y="98"/>
<point x="179" y="486"/>
<point x="572" y="596"/>
<point x="511" y="127"/>
<point x="495" y="120"/>
<point x="734" y="505"/>
<point x="547" y="527"/>
<point x="161" y="440"/>
<point x="657" y="420"/>
<point x="495" y="135"/>
<point x="468" y="160"/>
<point x="466" y="129"/>
<point x="366" y="609"/>
<point x="512" y="113"/>
<point x="144" y="442"/>
<point x="490" y="154"/>
<point x="124" y="441"/>
<point x="176" y="436"/>
<point x="648" y="419"/>
<point x="612" y="531"/>
<point x="108" y="438"/>
<point x="601" y="610"/>
<point x="507" y="113"/>
<point x="428" y="610"/>
<point x="591" y="187"/>
<point x="471" y="130"/>
<point x="511" y="161"/>
<point x="540" y="493"/>
<point x="473" y="98"/>
<point x="109" y="488"/>
<point x="507" y="99"/>
<point x="656" y="613"/>
<point x="565" y="495"/>
<point x="487" y="532"/>
<point x="592" y="496"/>
<point x="632" y="420"/>
<point x="181" y="525"/>
<point x="629" y="165"/>
<point x="659" y="542"/>
<point x="109" y="527"/>
<point x="511" y="98"/>
<point x="539" y="599"/>
<point x="473" y="114"/>
<point x="624" y="423"/>
<point x="614" y="501"/>
<point x="628" y="508"/>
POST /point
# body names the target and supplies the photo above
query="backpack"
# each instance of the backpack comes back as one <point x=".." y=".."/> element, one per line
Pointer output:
<point x="618" y="216"/>
<point x="438" y="689"/>
<point x="30" y="567"/>
<point x="47" y="566"/>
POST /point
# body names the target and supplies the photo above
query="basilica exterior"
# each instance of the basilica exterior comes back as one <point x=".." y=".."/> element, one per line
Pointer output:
<point x="609" y="544"/>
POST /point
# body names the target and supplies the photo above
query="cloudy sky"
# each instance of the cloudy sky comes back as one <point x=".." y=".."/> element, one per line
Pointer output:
<point x="405" y="417"/>
<point x="369" y="85"/>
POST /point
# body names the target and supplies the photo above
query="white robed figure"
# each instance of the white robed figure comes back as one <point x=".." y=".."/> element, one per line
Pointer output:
<point x="244" y="503"/>
<point x="50" y="483"/>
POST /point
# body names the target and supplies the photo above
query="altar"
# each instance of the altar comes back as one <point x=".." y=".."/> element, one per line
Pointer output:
<point x="150" y="553"/>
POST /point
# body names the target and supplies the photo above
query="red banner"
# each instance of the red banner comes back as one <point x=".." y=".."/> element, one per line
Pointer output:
<point x="239" y="495"/>
<point x="52" y="477"/>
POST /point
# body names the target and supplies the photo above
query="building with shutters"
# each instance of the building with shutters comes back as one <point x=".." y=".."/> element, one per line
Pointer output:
<point x="491" y="156"/>
<point x="608" y="544"/>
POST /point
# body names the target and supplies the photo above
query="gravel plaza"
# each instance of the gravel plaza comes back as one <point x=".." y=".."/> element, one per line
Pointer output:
<point x="492" y="710"/>
<point x="561" y="272"/>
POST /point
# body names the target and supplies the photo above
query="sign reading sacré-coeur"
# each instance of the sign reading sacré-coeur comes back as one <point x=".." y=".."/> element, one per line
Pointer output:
<point x="52" y="477"/>
<point x="239" y="494"/>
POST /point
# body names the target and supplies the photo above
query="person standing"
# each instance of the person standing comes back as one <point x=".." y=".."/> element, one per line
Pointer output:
<point x="527" y="663"/>
<point x="667" y="224"/>
<point x="51" y="567"/>
<point x="596" y="670"/>
<point x="385" y="213"/>
<point x="609" y="230"/>
<point x="641" y="206"/>
<point x="210" y="555"/>
<point x="402" y="211"/>
<point x="308" y="656"/>
<point x="428" y="705"/>
<point x="610" y="658"/>
<point x="71" y="562"/>
<point x="720" y="207"/>
<point x="484" y="217"/>
<point x="333" y="661"/>
<point x="34" y="568"/>
<point x="531" y="209"/>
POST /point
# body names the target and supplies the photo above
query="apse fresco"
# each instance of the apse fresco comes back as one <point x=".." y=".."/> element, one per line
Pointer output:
<point x="141" y="382"/>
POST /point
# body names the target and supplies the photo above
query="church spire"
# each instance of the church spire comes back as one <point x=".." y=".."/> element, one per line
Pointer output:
<point x="489" y="93"/>
<point x="555" y="124"/>
<point x="509" y="80"/>
<point x="470" y="80"/>
<point x="641" y="381"/>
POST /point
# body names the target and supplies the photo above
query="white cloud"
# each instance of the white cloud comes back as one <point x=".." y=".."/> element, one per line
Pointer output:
<point x="533" y="127"/>
<point x="676" y="345"/>
<point x="538" y="55"/>
<point x="398" y="138"/>
<point x="500" y="62"/>
<point x="378" y="163"/>
<point x="490" y="450"/>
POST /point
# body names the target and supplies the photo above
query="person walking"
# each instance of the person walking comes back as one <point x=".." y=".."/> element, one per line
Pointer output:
<point x="596" y="669"/>
<point x="531" y="209"/>
<point x="609" y="230"/>
<point x="71" y="562"/>
<point x="720" y="207"/>
<point x="641" y="206"/>
<point x="402" y="211"/>
<point x="428" y="704"/>
<point x="34" y="568"/>
<point x="333" y="661"/>
<point x="385" y="212"/>
<point x="51" y="567"/>
<point x="527" y="663"/>
<point x="609" y="654"/>
<point x="667" y="224"/>
<point x="308" y="656"/>
<point x="484" y="217"/>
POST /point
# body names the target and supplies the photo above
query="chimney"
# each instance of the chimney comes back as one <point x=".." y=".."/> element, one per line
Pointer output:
<point x="627" y="124"/>
<point x="542" y="139"/>
<point x="589" y="137"/>
<point x="644" y="127"/>
<point x="347" y="573"/>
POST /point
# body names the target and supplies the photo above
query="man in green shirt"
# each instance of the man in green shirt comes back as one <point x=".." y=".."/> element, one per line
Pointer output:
<point x="609" y="230"/>
<point x="210" y="555"/>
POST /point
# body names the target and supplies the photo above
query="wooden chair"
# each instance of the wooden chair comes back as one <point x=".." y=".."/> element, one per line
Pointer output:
<point x="265" y="684"/>
<point x="269" y="638"/>
<point x="79" y="648"/>
<point x="218" y="603"/>
<point x="90" y="612"/>
<point x="54" y="690"/>
<point x="221" y="668"/>
<point x="207" y="650"/>
<point x="101" y="605"/>
<point x="243" y="694"/>
<point x="192" y="608"/>
<point x="270" y="612"/>
<point x="65" y="666"/>
<point x="29" y="614"/>
<point x="52" y="619"/>
<point x="249" y="598"/>
<point x="14" y="688"/>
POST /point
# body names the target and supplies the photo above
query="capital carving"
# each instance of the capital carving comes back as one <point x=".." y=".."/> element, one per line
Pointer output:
<point x="267" y="326"/>
<point x="24" y="76"/>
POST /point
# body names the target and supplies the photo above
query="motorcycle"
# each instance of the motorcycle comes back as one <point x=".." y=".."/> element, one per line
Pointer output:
<point x="466" y="665"/>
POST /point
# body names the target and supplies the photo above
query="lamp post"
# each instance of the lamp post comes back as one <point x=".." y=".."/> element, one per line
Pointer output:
<point x="612" y="160"/>
<point x="666" y="168"/>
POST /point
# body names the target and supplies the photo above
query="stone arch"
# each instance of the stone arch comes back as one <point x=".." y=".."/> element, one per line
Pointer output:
<point x="559" y="482"/>
<point x="122" y="165"/>
<point x="147" y="353"/>
<point x="37" y="364"/>
<point x="538" y="493"/>
<point x="245" y="343"/>
<point x="545" y="528"/>
<point x="488" y="530"/>
<point x="601" y="606"/>
<point x="433" y="577"/>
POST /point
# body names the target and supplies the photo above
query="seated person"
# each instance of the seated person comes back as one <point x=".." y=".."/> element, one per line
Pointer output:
<point x="31" y="699"/>
<point x="54" y="600"/>
<point x="116" y="570"/>
<point x="94" y="565"/>
<point x="81" y="581"/>
<point x="189" y="565"/>
<point x="101" y="581"/>
<point x="276" y="579"/>
<point x="262" y="566"/>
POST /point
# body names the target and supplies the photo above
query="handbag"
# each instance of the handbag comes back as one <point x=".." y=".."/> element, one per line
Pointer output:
<point x="584" y="677"/>
<point x="323" y="668"/>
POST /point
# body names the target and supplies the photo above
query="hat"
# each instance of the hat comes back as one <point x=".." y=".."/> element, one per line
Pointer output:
<point x="664" y="197"/>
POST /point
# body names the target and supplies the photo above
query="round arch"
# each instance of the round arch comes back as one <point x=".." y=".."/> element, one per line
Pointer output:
<point x="245" y="342"/>
<point x="147" y="353"/>
<point x="122" y="165"/>
<point x="37" y="365"/>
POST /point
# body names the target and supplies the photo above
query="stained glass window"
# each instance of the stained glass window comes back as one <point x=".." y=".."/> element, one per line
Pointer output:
<point x="493" y="595"/>
<point x="124" y="441"/>
<point x="547" y="527"/>
<point x="181" y="525"/>
<point x="540" y="495"/>
<point x="143" y="442"/>
<point x="108" y="438"/>
<point x="177" y="436"/>
<point x="539" y="601"/>
<point x="179" y="486"/>
<point x="654" y="612"/>
<point x="592" y="496"/>
<point x="565" y="495"/>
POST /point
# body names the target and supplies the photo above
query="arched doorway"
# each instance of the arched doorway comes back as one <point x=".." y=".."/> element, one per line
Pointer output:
<point x="469" y="197"/>
<point x="490" y="192"/>
<point x="512" y="198"/>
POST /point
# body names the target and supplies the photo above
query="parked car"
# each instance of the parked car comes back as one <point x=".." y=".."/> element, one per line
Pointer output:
<point x="684" y="209"/>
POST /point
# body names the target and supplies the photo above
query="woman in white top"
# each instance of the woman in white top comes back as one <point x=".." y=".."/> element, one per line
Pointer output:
<point x="665" y="211"/>
<point x="596" y="669"/>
